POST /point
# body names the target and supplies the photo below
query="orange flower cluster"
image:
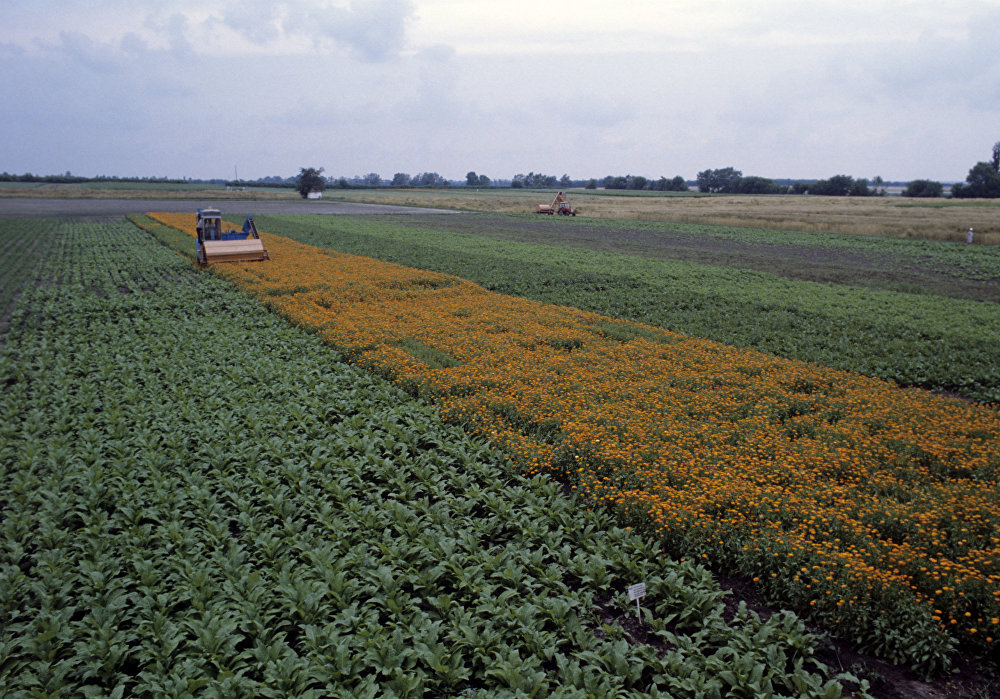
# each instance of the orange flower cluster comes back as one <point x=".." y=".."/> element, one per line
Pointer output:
<point x="845" y="489"/>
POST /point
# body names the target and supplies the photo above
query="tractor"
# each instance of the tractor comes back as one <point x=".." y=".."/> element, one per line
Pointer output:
<point x="213" y="244"/>
<point x="558" y="206"/>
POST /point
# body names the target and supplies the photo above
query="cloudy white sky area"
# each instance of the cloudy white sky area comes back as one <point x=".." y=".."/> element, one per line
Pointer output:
<point x="904" y="89"/>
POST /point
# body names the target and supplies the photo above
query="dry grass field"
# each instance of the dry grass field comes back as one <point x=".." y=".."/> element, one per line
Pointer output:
<point x="931" y="219"/>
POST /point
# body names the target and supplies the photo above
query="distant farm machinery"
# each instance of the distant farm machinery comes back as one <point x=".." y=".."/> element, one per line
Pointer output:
<point x="216" y="245"/>
<point x="558" y="206"/>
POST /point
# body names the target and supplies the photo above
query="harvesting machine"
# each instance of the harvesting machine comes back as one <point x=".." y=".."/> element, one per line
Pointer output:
<point x="559" y="206"/>
<point x="216" y="245"/>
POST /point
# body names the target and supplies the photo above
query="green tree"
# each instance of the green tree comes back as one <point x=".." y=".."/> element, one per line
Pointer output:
<point x="836" y="186"/>
<point x="983" y="181"/>
<point x="310" y="179"/>
<point x="534" y="180"/>
<point x="428" y="179"/>
<point x="474" y="180"/>
<point x="859" y="188"/>
<point x="678" y="184"/>
<point x="723" y="180"/>
<point x="372" y="179"/>
<point x="923" y="188"/>
<point x="759" y="185"/>
<point x="401" y="179"/>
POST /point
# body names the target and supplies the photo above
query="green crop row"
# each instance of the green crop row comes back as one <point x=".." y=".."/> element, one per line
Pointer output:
<point x="200" y="499"/>
<point x="930" y="341"/>
<point x="22" y="243"/>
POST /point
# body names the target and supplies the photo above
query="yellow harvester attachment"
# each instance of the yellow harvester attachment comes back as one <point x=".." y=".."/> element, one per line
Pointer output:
<point x="215" y="245"/>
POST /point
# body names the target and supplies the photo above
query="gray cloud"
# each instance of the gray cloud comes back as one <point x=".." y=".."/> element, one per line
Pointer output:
<point x="371" y="30"/>
<point x="130" y="88"/>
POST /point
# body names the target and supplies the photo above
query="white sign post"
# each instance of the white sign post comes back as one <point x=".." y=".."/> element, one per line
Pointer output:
<point x="636" y="592"/>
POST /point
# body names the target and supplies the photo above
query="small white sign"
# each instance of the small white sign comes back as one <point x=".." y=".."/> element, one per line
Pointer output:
<point x="635" y="592"/>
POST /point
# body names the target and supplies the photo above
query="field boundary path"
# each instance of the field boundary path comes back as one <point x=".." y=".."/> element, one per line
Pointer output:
<point x="25" y="206"/>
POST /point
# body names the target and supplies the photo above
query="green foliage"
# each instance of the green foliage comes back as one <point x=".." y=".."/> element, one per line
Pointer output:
<point x="428" y="179"/>
<point x="171" y="237"/>
<point x="759" y="185"/>
<point x="982" y="182"/>
<point x="923" y="188"/>
<point x="677" y="184"/>
<point x="841" y="186"/>
<point x="22" y="245"/>
<point x="723" y="180"/>
<point x="200" y="499"/>
<point x="310" y="180"/>
<point x="534" y="180"/>
<point x="474" y="180"/>
<point x="638" y="182"/>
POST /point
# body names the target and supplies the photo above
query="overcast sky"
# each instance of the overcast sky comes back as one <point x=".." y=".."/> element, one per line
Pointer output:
<point x="904" y="89"/>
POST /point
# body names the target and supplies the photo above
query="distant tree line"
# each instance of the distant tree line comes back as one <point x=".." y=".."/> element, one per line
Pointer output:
<point x="729" y="180"/>
<point x="983" y="181"/>
<point x="422" y="179"/>
<point x="638" y="182"/>
<point x="69" y="178"/>
<point x="538" y="180"/>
